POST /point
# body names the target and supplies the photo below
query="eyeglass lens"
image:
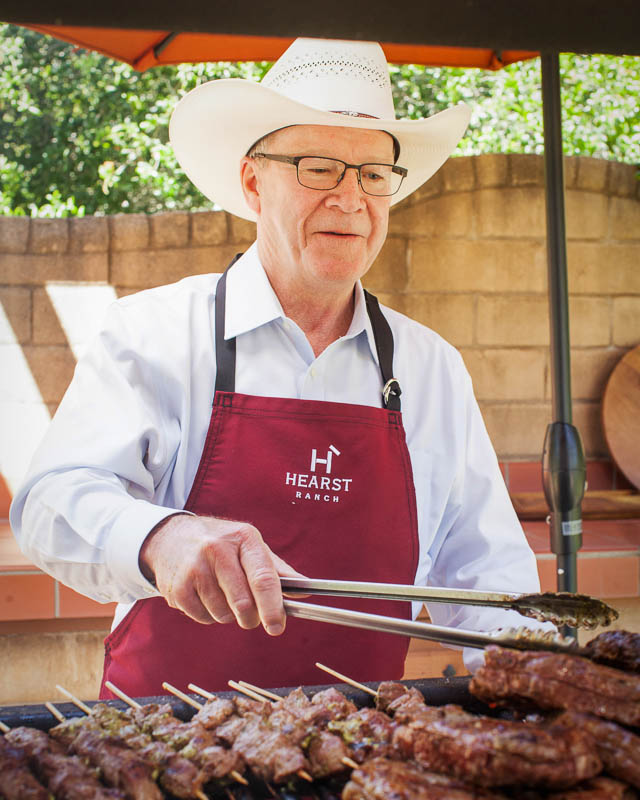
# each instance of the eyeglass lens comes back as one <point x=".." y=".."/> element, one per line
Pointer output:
<point x="325" y="173"/>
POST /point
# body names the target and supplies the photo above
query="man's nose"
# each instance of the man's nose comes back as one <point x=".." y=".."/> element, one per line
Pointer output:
<point x="348" y="193"/>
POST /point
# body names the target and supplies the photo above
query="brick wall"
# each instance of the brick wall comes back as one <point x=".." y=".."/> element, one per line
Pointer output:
<point x="465" y="255"/>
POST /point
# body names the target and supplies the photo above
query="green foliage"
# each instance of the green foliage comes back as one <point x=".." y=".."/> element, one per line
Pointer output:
<point x="80" y="133"/>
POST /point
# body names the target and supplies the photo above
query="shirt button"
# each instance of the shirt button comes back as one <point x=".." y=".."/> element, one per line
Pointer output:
<point x="312" y="372"/>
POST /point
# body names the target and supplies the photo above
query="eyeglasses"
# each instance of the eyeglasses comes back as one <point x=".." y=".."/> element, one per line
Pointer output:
<point x="317" y="172"/>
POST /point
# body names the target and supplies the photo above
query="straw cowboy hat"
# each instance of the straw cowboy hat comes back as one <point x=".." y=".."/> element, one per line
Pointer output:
<point x="315" y="82"/>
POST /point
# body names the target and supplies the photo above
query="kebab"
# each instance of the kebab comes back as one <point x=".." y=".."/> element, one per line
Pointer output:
<point x="16" y="780"/>
<point x="619" y="649"/>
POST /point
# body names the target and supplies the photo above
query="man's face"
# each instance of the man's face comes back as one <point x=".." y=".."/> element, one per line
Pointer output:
<point x="313" y="236"/>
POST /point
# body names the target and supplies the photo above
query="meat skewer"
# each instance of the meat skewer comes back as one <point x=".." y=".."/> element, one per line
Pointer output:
<point x="16" y="779"/>
<point x="619" y="649"/>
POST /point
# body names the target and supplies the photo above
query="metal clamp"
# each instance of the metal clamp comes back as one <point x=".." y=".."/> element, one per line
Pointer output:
<point x="391" y="387"/>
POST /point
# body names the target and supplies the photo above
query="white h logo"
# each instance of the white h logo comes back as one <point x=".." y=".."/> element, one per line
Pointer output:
<point x="327" y="461"/>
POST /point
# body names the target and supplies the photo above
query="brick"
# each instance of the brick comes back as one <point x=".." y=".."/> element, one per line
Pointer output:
<point x="586" y="418"/>
<point x="14" y="234"/>
<point x="626" y="321"/>
<point x="592" y="174"/>
<point x="492" y="169"/>
<point x="156" y="267"/>
<point x="517" y="430"/>
<point x="49" y="236"/>
<point x="449" y="315"/>
<point x="241" y="230"/>
<point x="622" y="180"/>
<point x="89" y="235"/>
<point x="169" y="229"/>
<point x="507" y="374"/>
<point x="129" y="231"/>
<point x="589" y="321"/>
<point x="590" y="370"/>
<point x="517" y="321"/>
<point x="389" y="271"/>
<point x="449" y="215"/>
<point x="37" y="269"/>
<point x="586" y="215"/>
<point x="625" y="218"/>
<point x="46" y="325"/>
<point x="52" y="368"/>
<point x="602" y="268"/>
<point x="458" y="174"/>
<point x="460" y="265"/>
<point x="526" y="169"/>
<point x="16" y="303"/>
<point x="208" y="227"/>
<point x="26" y="597"/>
<point x="511" y="213"/>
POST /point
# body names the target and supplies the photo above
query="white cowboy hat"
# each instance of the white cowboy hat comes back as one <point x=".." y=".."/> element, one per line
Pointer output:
<point x="314" y="82"/>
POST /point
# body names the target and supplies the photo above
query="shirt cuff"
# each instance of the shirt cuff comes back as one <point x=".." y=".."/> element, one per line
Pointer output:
<point x="127" y="536"/>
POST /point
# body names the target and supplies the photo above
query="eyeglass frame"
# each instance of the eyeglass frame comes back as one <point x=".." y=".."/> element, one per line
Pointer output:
<point x="295" y="160"/>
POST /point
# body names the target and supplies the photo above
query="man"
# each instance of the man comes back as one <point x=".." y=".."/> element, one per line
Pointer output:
<point x="224" y="432"/>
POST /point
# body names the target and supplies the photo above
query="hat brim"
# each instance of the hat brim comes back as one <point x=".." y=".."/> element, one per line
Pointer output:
<point x="214" y="125"/>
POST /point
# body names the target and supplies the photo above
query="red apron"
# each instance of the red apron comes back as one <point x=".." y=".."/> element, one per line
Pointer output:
<point x="330" y="487"/>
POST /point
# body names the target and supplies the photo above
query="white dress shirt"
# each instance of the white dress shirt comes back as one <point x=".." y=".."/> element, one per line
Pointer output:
<point x="123" y="448"/>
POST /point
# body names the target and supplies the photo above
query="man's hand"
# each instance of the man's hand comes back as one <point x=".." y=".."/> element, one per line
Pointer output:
<point x="215" y="570"/>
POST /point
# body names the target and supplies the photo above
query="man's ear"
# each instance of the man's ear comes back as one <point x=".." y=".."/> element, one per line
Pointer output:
<point x="249" y="179"/>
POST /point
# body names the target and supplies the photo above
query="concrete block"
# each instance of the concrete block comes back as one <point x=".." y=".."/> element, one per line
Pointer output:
<point x="389" y="271"/>
<point x="526" y="169"/>
<point x="49" y="236"/>
<point x="450" y="315"/>
<point x="169" y="229"/>
<point x="14" y="234"/>
<point x="394" y="300"/>
<point x="208" y="227"/>
<point x="462" y="265"/>
<point x="89" y="234"/>
<point x="507" y="373"/>
<point x="458" y="174"/>
<point x="16" y="303"/>
<point x="511" y="213"/>
<point x="129" y="231"/>
<point x="570" y="169"/>
<point x="52" y="368"/>
<point x="592" y="174"/>
<point x="492" y="169"/>
<point x="37" y="269"/>
<point x="626" y="321"/>
<point x="444" y="216"/>
<point x="141" y="270"/>
<point x="242" y="231"/>
<point x="46" y="325"/>
<point x="590" y="370"/>
<point x="602" y="268"/>
<point x="622" y="180"/>
<point x="624" y="214"/>
<point x="586" y="215"/>
<point x="432" y="188"/>
<point x="589" y="320"/>
<point x="587" y="419"/>
<point x="519" y="321"/>
<point x="517" y="430"/>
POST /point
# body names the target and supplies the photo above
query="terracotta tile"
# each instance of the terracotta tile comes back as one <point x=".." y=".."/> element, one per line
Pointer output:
<point x="608" y="535"/>
<point x="73" y="604"/>
<point x="525" y="476"/>
<point x="5" y="498"/>
<point x="26" y="596"/>
<point x="537" y="534"/>
<point x="504" y="469"/>
<point x="599" y="475"/>
<point x="605" y="577"/>
<point x="11" y="557"/>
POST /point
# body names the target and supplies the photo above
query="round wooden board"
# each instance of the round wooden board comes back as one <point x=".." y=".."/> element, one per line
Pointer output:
<point x="621" y="415"/>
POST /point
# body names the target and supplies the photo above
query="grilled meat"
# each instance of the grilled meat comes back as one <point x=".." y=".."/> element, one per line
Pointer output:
<point x="381" y="779"/>
<point x="16" y="780"/>
<point x="599" y="788"/>
<point x="559" y="681"/>
<point x="619" y="649"/>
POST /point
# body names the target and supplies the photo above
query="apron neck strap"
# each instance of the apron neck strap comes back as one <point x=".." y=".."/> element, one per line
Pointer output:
<point x="226" y="348"/>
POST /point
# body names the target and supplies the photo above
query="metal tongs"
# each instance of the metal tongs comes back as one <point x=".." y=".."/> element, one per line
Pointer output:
<point x="560" y="608"/>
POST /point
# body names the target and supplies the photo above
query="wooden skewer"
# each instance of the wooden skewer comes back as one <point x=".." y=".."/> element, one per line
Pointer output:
<point x="259" y="690"/>
<point x="56" y="713"/>
<point x="200" y="691"/>
<point x="119" y="693"/>
<point x="82" y="706"/>
<point x="4" y="728"/>
<point x="345" y="679"/>
<point x="184" y="697"/>
<point x="249" y="692"/>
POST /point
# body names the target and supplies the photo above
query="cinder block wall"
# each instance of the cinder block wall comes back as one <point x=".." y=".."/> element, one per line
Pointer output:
<point x="465" y="255"/>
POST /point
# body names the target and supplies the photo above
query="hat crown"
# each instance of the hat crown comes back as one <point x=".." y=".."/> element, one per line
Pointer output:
<point x="334" y="75"/>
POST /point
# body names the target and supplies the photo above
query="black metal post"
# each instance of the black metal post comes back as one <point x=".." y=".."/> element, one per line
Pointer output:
<point x="563" y="464"/>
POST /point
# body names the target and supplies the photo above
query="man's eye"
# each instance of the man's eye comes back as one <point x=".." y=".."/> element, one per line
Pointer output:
<point x="373" y="176"/>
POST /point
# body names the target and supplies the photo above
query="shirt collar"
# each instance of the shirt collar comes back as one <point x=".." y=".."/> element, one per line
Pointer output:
<point x="248" y="280"/>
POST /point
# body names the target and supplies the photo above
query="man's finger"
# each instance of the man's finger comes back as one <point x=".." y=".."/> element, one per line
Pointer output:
<point x="233" y="582"/>
<point x="264" y="581"/>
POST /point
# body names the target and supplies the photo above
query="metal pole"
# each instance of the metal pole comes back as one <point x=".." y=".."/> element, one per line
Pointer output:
<point x="563" y="464"/>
